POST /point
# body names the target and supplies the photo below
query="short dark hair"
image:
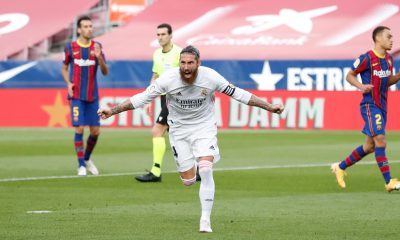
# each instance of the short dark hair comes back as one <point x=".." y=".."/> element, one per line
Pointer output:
<point x="167" y="26"/>
<point x="192" y="50"/>
<point x="83" y="18"/>
<point x="377" y="31"/>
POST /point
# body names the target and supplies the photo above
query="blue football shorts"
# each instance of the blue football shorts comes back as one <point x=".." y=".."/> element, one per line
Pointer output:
<point x="84" y="113"/>
<point x="374" y="119"/>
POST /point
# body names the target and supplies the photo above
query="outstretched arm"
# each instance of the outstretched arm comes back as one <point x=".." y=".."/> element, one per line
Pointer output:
<point x="261" y="103"/>
<point x="250" y="99"/>
<point x="106" y="112"/>
<point x="137" y="101"/>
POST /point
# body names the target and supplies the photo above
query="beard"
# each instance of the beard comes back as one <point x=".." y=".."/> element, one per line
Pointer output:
<point x="188" y="76"/>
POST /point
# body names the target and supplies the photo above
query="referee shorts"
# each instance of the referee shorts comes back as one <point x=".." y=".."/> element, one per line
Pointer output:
<point x="163" y="117"/>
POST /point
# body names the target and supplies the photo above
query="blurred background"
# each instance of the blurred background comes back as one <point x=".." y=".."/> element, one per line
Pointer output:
<point x="295" y="53"/>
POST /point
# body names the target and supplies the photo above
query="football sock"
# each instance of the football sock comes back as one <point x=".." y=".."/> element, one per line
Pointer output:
<point x="354" y="157"/>
<point x="90" y="144"/>
<point x="383" y="163"/>
<point x="78" y="140"/>
<point x="207" y="188"/>
<point x="158" y="155"/>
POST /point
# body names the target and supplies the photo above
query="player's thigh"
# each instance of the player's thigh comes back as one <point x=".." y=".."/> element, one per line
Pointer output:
<point x="91" y="117"/>
<point x="77" y="112"/>
<point x="205" y="143"/>
<point x="183" y="155"/>
<point x="374" y="120"/>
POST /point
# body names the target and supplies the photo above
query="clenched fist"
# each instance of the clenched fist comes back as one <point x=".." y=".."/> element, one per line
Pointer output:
<point x="104" y="112"/>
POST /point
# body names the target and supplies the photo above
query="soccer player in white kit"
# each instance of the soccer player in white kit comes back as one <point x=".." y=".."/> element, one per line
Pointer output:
<point x="193" y="126"/>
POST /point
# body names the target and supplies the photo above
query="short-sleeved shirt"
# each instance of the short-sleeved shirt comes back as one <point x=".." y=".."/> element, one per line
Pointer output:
<point x="165" y="61"/>
<point x="375" y="70"/>
<point x="82" y="71"/>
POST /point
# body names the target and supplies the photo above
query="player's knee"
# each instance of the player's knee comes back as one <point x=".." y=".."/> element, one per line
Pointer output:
<point x="157" y="130"/>
<point x="205" y="171"/>
<point x="189" y="182"/>
<point x="369" y="149"/>
<point x="95" y="132"/>
<point x="380" y="141"/>
<point x="205" y="167"/>
<point x="79" y="130"/>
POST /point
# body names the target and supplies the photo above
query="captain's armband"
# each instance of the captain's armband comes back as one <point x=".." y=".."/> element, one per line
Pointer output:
<point x="229" y="90"/>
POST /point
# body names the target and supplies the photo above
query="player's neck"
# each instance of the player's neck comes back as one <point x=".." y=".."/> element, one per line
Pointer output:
<point x="167" y="47"/>
<point x="84" y="41"/>
<point x="381" y="52"/>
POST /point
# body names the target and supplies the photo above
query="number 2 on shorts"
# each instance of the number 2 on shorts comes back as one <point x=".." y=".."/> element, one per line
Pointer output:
<point x="378" y="119"/>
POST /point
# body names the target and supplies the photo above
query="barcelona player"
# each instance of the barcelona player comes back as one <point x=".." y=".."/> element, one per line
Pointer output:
<point x="83" y="57"/>
<point x="375" y="68"/>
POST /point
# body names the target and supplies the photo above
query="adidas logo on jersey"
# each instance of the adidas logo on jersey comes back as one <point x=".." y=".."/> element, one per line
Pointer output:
<point x="212" y="147"/>
<point x="179" y="94"/>
<point x="382" y="73"/>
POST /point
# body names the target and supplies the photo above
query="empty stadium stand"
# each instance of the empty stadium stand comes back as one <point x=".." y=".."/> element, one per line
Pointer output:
<point x="26" y="24"/>
<point x="258" y="29"/>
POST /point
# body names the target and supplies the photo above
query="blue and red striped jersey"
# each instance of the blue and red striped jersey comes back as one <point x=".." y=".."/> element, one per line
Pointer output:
<point x="375" y="70"/>
<point x="82" y="71"/>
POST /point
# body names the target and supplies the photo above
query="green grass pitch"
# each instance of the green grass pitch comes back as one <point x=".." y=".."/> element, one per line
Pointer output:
<point x="269" y="185"/>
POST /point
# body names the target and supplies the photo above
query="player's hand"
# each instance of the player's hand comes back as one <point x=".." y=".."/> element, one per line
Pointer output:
<point x="366" y="88"/>
<point x="97" y="50"/>
<point x="70" y="89"/>
<point x="277" y="108"/>
<point x="104" y="112"/>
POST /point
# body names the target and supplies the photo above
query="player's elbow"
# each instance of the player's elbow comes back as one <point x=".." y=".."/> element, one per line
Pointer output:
<point x="350" y="76"/>
<point x="64" y="68"/>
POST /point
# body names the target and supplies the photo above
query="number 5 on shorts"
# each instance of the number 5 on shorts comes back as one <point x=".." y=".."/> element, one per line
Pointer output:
<point x="75" y="111"/>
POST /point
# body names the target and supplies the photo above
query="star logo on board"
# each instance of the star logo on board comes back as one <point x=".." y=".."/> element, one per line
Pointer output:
<point x="299" y="21"/>
<point x="58" y="112"/>
<point x="266" y="80"/>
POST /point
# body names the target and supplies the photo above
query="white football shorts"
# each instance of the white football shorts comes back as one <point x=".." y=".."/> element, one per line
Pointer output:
<point x="188" y="143"/>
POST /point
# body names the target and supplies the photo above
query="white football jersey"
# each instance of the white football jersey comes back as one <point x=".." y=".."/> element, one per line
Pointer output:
<point x="190" y="104"/>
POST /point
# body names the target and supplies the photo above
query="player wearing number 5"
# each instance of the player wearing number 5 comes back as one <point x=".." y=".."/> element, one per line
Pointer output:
<point x="375" y="68"/>
<point x="83" y="57"/>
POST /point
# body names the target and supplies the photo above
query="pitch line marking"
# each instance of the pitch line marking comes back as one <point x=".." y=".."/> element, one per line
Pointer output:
<point x="39" y="211"/>
<point x="216" y="169"/>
